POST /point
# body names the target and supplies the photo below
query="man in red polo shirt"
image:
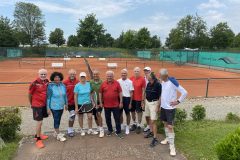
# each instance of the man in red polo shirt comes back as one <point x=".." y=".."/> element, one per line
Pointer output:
<point x="139" y="85"/>
<point x="37" y="96"/>
<point x="110" y="96"/>
<point x="70" y="84"/>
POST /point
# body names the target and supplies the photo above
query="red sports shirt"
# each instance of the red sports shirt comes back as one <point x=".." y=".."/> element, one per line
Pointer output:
<point x="70" y="89"/>
<point x="138" y="84"/>
<point x="38" y="90"/>
<point x="110" y="94"/>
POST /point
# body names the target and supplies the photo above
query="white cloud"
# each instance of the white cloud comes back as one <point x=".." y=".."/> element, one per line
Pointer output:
<point x="79" y="8"/>
<point x="215" y="11"/>
<point x="211" y="4"/>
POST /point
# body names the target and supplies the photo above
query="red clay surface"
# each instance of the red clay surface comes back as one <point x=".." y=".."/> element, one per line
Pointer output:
<point x="25" y="70"/>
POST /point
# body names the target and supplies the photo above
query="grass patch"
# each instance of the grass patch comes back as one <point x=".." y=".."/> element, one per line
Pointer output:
<point x="8" y="152"/>
<point x="197" y="140"/>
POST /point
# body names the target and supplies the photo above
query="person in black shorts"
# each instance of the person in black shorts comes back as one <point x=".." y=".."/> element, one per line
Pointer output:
<point x="70" y="83"/>
<point x="97" y="111"/>
<point x="169" y="101"/>
<point x="83" y="95"/>
<point x="139" y="85"/>
<point x="37" y="98"/>
<point x="127" y="91"/>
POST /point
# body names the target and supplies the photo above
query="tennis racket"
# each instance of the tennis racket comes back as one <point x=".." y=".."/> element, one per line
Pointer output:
<point x="86" y="107"/>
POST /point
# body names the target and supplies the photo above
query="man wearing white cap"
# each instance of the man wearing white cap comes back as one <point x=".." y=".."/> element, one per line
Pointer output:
<point x="169" y="101"/>
<point x="147" y="71"/>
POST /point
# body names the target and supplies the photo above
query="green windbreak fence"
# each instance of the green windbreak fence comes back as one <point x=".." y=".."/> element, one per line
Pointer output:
<point x="217" y="59"/>
<point x="144" y="54"/>
<point x="12" y="53"/>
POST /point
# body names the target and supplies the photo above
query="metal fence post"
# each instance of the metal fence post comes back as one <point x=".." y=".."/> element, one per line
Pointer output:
<point x="207" y="87"/>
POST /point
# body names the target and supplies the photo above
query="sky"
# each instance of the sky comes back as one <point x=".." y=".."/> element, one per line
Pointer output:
<point x="159" y="16"/>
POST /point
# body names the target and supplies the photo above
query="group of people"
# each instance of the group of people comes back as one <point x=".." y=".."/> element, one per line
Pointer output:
<point x="133" y="95"/>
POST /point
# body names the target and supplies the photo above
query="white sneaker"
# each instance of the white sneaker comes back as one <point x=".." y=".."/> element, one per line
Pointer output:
<point x="127" y="130"/>
<point x="165" y="141"/>
<point x="172" y="151"/>
<point x="82" y="132"/>
<point x="146" y="129"/>
<point x="93" y="132"/>
<point x="61" y="138"/>
<point x="55" y="134"/>
<point x="101" y="134"/>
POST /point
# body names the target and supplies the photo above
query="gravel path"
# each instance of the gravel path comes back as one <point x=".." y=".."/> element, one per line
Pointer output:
<point x="216" y="108"/>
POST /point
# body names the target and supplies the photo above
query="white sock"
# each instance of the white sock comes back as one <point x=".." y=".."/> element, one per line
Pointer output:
<point x="138" y="124"/>
<point x="171" y="137"/>
<point x="148" y="126"/>
<point x="135" y="122"/>
<point x="70" y="129"/>
<point x="166" y="133"/>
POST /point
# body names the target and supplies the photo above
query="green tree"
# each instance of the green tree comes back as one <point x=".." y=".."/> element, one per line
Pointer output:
<point x="222" y="36"/>
<point x="28" y="18"/>
<point x="7" y="34"/>
<point x="118" y="43"/>
<point x="155" y="42"/>
<point x="236" y="41"/>
<point x="89" y="31"/>
<point x="72" y="41"/>
<point x="56" y="37"/>
<point x="143" y="38"/>
<point x="191" y="32"/>
<point x="106" y="40"/>
<point x="22" y="37"/>
<point x="129" y="39"/>
<point x="109" y="40"/>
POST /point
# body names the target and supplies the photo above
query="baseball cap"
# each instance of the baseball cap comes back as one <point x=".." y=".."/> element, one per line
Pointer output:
<point x="147" y="68"/>
<point x="82" y="74"/>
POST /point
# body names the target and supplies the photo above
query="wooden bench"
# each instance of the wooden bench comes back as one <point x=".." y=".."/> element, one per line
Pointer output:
<point x="57" y="65"/>
<point x="112" y="65"/>
<point x="66" y="59"/>
<point x="101" y="59"/>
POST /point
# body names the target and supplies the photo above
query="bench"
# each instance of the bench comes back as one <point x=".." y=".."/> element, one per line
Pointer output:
<point x="78" y="56"/>
<point x="66" y="59"/>
<point x="101" y="59"/>
<point x="90" y="56"/>
<point x="57" y="65"/>
<point x="112" y="65"/>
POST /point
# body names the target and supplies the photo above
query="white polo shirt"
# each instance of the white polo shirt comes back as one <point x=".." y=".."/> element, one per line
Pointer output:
<point x="146" y="80"/>
<point x="127" y="87"/>
<point x="169" y="92"/>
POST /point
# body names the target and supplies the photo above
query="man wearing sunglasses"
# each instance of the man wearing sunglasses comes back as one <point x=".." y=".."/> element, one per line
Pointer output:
<point x="37" y="99"/>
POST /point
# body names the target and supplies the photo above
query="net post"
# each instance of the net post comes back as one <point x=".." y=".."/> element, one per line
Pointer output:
<point x="19" y="63"/>
<point x="207" y="87"/>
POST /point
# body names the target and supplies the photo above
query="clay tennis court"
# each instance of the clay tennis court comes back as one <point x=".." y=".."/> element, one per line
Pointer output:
<point x="25" y="70"/>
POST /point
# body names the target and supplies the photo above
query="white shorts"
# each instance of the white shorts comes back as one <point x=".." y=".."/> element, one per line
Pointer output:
<point x="151" y="109"/>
